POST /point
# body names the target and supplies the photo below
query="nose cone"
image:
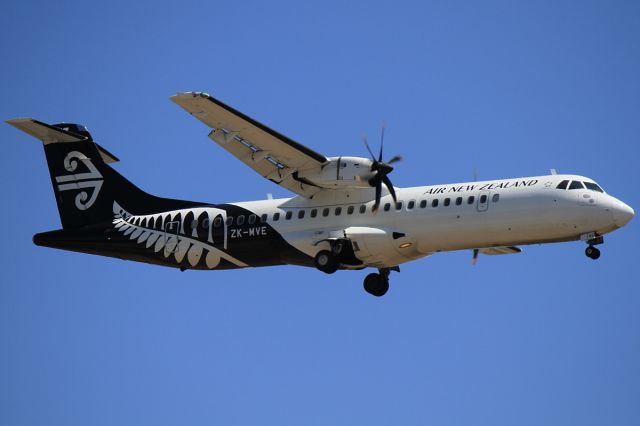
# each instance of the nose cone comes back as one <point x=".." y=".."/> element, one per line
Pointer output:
<point x="622" y="214"/>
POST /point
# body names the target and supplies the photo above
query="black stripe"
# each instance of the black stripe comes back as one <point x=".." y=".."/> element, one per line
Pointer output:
<point x="303" y="149"/>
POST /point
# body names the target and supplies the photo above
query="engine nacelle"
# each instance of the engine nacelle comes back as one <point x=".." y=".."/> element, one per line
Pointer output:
<point x="381" y="247"/>
<point x="341" y="172"/>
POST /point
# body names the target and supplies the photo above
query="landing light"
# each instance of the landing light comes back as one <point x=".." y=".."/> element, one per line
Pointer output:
<point x="405" y="245"/>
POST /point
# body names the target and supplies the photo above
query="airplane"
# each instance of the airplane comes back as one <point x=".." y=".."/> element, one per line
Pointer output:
<point x="346" y="214"/>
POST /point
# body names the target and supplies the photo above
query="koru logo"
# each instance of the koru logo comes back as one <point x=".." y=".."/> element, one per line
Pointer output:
<point x="90" y="180"/>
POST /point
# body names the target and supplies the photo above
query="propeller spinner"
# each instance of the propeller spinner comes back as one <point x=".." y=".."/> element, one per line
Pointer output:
<point x="380" y="170"/>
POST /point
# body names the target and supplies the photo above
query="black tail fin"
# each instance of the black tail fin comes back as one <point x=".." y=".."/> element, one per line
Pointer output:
<point x="85" y="186"/>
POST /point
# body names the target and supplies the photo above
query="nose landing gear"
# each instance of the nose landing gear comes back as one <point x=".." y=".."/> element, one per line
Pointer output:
<point x="592" y="252"/>
<point x="592" y="239"/>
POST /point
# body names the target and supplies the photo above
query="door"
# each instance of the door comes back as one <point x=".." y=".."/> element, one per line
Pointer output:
<point x="483" y="201"/>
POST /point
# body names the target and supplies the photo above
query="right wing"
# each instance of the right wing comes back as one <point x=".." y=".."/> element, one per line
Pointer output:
<point x="271" y="154"/>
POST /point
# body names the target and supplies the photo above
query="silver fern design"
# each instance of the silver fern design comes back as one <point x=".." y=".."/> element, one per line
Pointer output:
<point x="165" y="233"/>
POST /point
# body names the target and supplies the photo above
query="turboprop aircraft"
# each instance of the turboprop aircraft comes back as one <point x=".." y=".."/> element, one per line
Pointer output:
<point x="346" y="213"/>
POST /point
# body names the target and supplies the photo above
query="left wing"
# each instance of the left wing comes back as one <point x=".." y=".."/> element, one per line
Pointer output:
<point x="271" y="154"/>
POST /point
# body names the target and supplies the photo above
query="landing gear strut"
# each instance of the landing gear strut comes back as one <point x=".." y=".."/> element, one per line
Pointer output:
<point x="591" y="251"/>
<point x="378" y="284"/>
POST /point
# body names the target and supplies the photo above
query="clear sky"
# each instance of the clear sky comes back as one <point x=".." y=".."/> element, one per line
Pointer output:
<point x="506" y="88"/>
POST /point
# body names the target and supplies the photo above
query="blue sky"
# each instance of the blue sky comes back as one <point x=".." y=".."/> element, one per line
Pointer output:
<point x="505" y="88"/>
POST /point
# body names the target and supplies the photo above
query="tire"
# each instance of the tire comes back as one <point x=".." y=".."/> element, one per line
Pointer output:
<point x="375" y="285"/>
<point x="326" y="262"/>
<point x="592" y="252"/>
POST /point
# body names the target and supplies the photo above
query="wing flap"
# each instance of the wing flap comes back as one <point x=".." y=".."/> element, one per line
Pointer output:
<point x="271" y="154"/>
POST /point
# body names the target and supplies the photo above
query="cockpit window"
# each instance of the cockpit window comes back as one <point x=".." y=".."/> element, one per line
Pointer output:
<point x="593" y="186"/>
<point x="576" y="184"/>
<point x="563" y="184"/>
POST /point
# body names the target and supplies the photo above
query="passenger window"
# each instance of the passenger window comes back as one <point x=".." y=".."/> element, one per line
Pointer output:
<point x="470" y="199"/>
<point x="314" y="212"/>
<point x="399" y="205"/>
<point x="411" y="204"/>
<point x="288" y="215"/>
<point x="458" y="201"/>
<point x="363" y="209"/>
<point x="434" y="203"/>
<point x="217" y="222"/>
<point x="387" y="206"/>
<point x="592" y="186"/>
<point x="447" y="201"/>
<point x="483" y="199"/>
<point x="423" y="204"/>
<point x="300" y="214"/>
<point x="229" y="220"/>
<point x="563" y="184"/>
<point x="240" y="220"/>
<point x="350" y="209"/>
<point x="252" y="219"/>
<point x="576" y="184"/>
<point x="495" y="198"/>
<point x="263" y="218"/>
<point x="325" y="212"/>
<point x="276" y="217"/>
<point x="338" y="211"/>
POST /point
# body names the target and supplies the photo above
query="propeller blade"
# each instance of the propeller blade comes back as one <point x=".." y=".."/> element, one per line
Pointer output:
<point x="389" y="185"/>
<point x="381" y="143"/>
<point x="394" y="159"/>
<point x="378" y="183"/>
<point x="474" y="260"/>
<point x="364" y="139"/>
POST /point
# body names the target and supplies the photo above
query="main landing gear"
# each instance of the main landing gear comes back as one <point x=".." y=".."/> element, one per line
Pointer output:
<point x="378" y="284"/>
<point x="591" y="251"/>
<point x="326" y="261"/>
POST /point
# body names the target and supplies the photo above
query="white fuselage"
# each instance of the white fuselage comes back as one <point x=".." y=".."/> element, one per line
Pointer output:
<point x="431" y="219"/>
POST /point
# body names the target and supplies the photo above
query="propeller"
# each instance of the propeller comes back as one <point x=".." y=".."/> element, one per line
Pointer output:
<point x="380" y="171"/>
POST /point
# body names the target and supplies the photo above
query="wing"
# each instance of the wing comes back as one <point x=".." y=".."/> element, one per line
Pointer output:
<point x="271" y="154"/>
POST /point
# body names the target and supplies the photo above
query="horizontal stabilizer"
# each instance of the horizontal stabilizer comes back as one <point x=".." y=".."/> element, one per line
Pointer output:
<point x="52" y="134"/>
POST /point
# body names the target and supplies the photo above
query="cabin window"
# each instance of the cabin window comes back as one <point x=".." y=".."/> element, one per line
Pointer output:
<point x="240" y="220"/>
<point x="563" y="184"/>
<point x="263" y="218"/>
<point x="470" y="199"/>
<point x="423" y="204"/>
<point x="576" y="184"/>
<point x="338" y="211"/>
<point x="314" y="212"/>
<point x="325" y="212"/>
<point x="350" y="209"/>
<point x="592" y="186"/>
<point x="458" y="201"/>
<point x="483" y="199"/>
<point x="399" y="205"/>
<point x="229" y="220"/>
<point x="276" y="217"/>
<point x="363" y="209"/>
<point x="252" y="219"/>
<point x="411" y="204"/>
<point x="387" y="206"/>
<point x="288" y="215"/>
<point x="217" y="222"/>
<point x="434" y="203"/>
<point x="447" y="201"/>
<point x="495" y="198"/>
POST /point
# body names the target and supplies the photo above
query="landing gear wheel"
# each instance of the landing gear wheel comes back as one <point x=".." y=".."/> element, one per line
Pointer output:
<point x="592" y="252"/>
<point x="376" y="284"/>
<point x="326" y="262"/>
